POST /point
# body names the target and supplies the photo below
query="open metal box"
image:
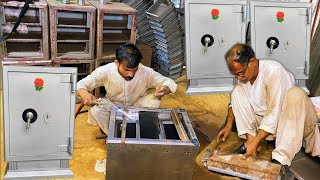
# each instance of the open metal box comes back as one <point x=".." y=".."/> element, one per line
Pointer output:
<point x="157" y="144"/>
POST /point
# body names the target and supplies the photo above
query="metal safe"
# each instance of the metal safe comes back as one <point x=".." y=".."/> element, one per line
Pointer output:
<point x="153" y="144"/>
<point x="280" y="30"/>
<point x="39" y="106"/>
<point x="211" y="28"/>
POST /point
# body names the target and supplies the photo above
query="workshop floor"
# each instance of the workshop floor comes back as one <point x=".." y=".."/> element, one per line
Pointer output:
<point x="207" y="112"/>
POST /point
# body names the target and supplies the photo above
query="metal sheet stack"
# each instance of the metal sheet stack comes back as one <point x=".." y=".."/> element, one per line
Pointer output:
<point x="169" y="38"/>
<point x="144" y="31"/>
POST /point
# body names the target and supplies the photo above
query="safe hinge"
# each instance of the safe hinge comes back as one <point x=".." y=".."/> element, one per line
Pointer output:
<point x="307" y="68"/>
<point x="306" y="12"/>
<point x="309" y="15"/>
<point x="69" y="78"/>
<point x="240" y="9"/>
<point x="70" y="146"/>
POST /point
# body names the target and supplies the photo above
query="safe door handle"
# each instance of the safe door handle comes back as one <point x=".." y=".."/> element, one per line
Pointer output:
<point x="29" y="117"/>
<point x="207" y="41"/>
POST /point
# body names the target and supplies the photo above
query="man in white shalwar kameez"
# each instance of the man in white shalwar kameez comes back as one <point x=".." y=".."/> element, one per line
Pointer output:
<point x="266" y="105"/>
<point x="126" y="82"/>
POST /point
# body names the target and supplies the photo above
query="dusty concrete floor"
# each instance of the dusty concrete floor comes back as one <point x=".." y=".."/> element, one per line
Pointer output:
<point x="207" y="111"/>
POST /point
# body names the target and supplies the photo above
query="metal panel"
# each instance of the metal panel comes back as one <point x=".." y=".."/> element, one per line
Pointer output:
<point x="293" y="34"/>
<point x="224" y="22"/>
<point x="52" y="105"/>
<point x="288" y="25"/>
<point x="46" y="97"/>
<point x="226" y="31"/>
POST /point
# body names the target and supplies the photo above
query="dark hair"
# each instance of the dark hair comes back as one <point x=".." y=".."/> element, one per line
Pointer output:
<point x="244" y="52"/>
<point x="130" y="53"/>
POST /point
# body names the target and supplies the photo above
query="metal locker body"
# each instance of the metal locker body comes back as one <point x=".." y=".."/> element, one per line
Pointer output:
<point x="43" y="150"/>
<point x="225" y="22"/>
<point x="157" y="150"/>
<point x="288" y="25"/>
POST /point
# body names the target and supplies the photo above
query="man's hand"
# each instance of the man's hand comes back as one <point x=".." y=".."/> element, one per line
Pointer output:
<point x="87" y="97"/>
<point x="252" y="147"/>
<point x="162" y="90"/>
<point x="251" y="150"/>
<point x="224" y="133"/>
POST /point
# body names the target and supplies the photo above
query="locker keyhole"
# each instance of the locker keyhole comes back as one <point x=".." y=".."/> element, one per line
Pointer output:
<point x="207" y="41"/>
<point x="272" y="44"/>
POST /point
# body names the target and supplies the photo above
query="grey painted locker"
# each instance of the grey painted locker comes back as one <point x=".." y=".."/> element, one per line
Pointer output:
<point x="220" y="24"/>
<point x="39" y="106"/>
<point x="281" y="31"/>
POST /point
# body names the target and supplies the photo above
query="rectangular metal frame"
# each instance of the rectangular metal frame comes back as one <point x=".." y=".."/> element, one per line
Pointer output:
<point x="116" y="9"/>
<point x="40" y="7"/>
<point x="89" y="25"/>
<point x="157" y="158"/>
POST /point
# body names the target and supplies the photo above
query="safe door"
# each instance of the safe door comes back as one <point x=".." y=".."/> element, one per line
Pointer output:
<point x="281" y="31"/>
<point x="38" y="112"/>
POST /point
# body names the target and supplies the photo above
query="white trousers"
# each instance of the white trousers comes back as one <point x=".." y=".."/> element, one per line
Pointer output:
<point x="99" y="115"/>
<point x="297" y="123"/>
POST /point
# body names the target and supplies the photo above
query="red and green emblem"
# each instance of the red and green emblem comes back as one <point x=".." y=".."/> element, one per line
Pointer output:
<point x="215" y="14"/>
<point x="280" y="16"/>
<point x="38" y="84"/>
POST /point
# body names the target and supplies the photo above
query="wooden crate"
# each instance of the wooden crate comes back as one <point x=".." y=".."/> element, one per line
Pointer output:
<point x="30" y="41"/>
<point x="72" y="30"/>
<point x="85" y="67"/>
<point x="116" y="24"/>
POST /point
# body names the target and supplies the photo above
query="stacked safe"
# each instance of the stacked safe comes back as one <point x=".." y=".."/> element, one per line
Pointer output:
<point x="39" y="106"/>
<point x="212" y="27"/>
<point x="279" y="30"/>
<point x="282" y="31"/>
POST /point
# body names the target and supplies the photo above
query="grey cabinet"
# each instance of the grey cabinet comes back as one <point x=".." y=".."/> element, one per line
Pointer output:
<point x="39" y="106"/>
<point x="212" y="27"/>
<point x="281" y="31"/>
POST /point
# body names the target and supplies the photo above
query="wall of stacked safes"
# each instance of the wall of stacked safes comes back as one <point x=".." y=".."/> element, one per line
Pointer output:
<point x="278" y="30"/>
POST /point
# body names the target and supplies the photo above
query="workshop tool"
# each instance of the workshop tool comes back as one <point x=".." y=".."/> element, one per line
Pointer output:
<point x="223" y="158"/>
<point x="250" y="168"/>
<point x="210" y="150"/>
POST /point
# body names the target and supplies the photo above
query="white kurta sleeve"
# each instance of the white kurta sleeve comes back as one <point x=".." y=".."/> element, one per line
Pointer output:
<point x="94" y="80"/>
<point x="156" y="79"/>
<point x="276" y="86"/>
